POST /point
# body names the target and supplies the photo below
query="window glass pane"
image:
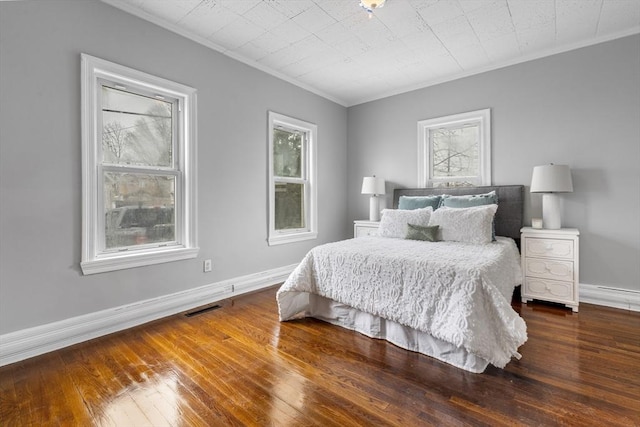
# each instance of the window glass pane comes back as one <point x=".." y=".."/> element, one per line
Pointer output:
<point x="136" y="130"/>
<point x="289" y="206"/>
<point x="287" y="152"/>
<point x="455" y="151"/>
<point x="139" y="209"/>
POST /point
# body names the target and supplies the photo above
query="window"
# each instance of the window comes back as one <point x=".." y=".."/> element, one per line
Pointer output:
<point x="455" y="151"/>
<point x="292" y="180"/>
<point x="138" y="166"/>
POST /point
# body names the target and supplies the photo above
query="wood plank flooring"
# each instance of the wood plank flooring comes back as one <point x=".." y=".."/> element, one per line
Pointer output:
<point x="238" y="365"/>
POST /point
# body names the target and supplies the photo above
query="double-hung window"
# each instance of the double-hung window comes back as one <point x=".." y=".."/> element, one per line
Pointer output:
<point x="138" y="163"/>
<point x="455" y="150"/>
<point x="292" y="180"/>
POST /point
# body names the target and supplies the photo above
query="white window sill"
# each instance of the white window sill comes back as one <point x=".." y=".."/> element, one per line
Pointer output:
<point x="130" y="260"/>
<point x="281" y="239"/>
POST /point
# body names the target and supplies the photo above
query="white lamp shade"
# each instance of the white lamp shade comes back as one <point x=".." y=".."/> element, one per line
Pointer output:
<point x="373" y="185"/>
<point x="551" y="179"/>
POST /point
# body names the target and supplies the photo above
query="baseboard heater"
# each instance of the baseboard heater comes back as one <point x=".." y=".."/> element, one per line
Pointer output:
<point x="202" y="310"/>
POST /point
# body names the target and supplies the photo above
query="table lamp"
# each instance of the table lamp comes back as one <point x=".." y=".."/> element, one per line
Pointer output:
<point x="550" y="180"/>
<point x="375" y="187"/>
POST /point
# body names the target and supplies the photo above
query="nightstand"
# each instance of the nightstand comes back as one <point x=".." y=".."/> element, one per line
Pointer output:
<point x="365" y="228"/>
<point x="550" y="265"/>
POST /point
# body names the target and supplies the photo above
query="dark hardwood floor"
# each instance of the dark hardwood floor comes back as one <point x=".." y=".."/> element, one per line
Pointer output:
<point x="239" y="366"/>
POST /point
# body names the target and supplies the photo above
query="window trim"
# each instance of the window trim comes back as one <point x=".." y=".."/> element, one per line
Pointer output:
<point x="94" y="260"/>
<point x="277" y="237"/>
<point x="482" y="117"/>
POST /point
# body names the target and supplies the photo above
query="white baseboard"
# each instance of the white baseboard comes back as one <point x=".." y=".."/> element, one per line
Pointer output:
<point x="625" y="299"/>
<point x="20" y="345"/>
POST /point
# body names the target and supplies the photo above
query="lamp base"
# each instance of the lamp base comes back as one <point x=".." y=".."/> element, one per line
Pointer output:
<point x="551" y="211"/>
<point x="374" y="208"/>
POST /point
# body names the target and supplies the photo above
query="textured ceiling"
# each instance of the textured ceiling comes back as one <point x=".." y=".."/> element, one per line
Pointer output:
<point x="334" y="49"/>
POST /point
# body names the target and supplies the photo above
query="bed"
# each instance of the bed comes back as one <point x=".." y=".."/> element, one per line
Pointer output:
<point x="447" y="299"/>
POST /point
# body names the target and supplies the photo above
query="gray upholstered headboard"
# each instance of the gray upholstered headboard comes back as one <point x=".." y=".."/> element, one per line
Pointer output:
<point x="508" y="218"/>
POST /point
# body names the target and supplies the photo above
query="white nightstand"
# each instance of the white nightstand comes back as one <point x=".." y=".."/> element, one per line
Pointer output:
<point x="550" y="265"/>
<point x="365" y="228"/>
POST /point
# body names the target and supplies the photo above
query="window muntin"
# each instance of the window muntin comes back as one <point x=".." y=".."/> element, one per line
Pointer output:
<point x="292" y="193"/>
<point x="138" y="168"/>
<point x="454" y="150"/>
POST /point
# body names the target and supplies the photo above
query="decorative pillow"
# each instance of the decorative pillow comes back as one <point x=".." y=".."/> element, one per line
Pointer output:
<point x="394" y="221"/>
<point x="470" y="225"/>
<point x="419" y="232"/>
<point x="418" y="202"/>
<point x="470" y="200"/>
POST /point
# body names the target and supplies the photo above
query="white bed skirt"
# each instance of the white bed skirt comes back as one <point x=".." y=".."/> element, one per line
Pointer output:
<point x="376" y="327"/>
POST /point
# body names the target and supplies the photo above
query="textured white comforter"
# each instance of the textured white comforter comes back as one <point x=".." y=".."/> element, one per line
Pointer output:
<point x="457" y="292"/>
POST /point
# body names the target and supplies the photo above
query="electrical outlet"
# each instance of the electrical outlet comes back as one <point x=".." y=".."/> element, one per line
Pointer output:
<point x="207" y="265"/>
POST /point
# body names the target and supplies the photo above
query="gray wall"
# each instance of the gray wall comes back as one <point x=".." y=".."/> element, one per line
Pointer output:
<point x="40" y="176"/>
<point x="580" y="108"/>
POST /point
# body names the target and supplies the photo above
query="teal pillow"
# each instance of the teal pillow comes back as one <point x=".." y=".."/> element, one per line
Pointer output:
<point x="470" y="200"/>
<point x="420" y="232"/>
<point x="418" y="202"/>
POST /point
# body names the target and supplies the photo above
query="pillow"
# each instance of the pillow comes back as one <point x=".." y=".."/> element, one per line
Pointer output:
<point x="418" y="232"/>
<point x="394" y="221"/>
<point x="417" y="202"/>
<point x="470" y="200"/>
<point x="470" y="225"/>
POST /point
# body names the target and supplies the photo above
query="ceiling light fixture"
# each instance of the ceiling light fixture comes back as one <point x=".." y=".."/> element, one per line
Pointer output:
<point x="371" y="5"/>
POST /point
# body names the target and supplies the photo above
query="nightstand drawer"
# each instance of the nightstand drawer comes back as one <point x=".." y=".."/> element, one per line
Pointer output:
<point x="366" y="231"/>
<point x="555" y="248"/>
<point x="548" y="269"/>
<point x="365" y="228"/>
<point x="549" y="290"/>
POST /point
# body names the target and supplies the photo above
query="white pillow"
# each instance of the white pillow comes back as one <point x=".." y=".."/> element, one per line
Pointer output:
<point x="470" y="225"/>
<point x="394" y="221"/>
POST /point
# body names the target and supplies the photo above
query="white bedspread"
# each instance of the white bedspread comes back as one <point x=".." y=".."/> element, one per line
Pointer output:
<point x="457" y="292"/>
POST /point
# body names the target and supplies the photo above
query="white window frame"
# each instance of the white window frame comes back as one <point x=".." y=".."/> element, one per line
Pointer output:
<point x="95" y="258"/>
<point x="309" y="179"/>
<point x="425" y="148"/>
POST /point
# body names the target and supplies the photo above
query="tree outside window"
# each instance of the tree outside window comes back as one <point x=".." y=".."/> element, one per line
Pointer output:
<point x="137" y="131"/>
<point x="287" y="163"/>
<point x="292" y="187"/>
<point x="455" y="151"/>
<point x="138" y="147"/>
